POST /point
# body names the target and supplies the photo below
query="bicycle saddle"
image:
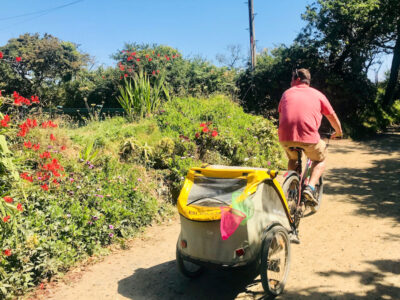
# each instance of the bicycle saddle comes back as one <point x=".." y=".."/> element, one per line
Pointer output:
<point x="296" y="149"/>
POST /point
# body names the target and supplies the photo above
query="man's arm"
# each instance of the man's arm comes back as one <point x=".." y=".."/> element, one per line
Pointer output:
<point x="335" y="123"/>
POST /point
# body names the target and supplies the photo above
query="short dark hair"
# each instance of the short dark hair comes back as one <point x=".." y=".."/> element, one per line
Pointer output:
<point x="303" y="74"/>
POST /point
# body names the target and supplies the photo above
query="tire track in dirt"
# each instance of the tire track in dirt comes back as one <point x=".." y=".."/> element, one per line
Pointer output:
<point x="348" y="250"/>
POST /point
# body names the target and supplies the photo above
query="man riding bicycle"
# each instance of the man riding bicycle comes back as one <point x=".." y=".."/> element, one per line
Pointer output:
<point x="300" y="113"/>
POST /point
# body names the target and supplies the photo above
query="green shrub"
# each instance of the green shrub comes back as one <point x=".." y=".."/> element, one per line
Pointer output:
<point x="241" y="139"/>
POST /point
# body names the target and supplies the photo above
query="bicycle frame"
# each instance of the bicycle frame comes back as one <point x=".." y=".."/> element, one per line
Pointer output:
<point x="303" y="176"/>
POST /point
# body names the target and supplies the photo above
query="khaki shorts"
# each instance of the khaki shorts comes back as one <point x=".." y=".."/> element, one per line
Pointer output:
<point x="315" y="152"/>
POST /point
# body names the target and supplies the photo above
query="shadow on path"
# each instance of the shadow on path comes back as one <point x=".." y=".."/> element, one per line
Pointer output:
<point x="374" y="189"/>
<point x="150" y="284"/>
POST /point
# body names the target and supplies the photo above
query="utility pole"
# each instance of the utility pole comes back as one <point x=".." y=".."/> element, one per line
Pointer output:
<point x="252" y="37"/>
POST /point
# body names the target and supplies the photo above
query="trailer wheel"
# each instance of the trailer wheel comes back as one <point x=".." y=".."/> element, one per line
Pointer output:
<point x="188" y="268"/>
<point x="275" y="261"/>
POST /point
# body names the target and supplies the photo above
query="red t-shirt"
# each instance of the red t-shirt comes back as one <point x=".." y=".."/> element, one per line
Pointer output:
<point x="301" y="109"/>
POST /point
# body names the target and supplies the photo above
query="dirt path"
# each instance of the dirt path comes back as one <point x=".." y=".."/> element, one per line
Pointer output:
<point x="349" y="249"/>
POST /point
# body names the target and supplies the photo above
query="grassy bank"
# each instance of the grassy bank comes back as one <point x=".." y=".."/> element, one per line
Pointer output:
<point x="83" y="188"/>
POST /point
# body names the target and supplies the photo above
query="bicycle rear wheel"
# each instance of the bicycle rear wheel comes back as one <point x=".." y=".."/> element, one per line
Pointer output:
<point x="290" y="188"/>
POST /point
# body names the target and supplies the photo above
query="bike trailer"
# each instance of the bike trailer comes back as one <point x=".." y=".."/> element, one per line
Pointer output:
<point x="226" y="212"/>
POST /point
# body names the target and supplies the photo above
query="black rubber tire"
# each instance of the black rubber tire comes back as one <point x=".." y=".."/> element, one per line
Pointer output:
<point x="184" y="270"/>
<point x="293" y="179"/>
<point x="268" y="244"/>
<point x="320" y="188"/>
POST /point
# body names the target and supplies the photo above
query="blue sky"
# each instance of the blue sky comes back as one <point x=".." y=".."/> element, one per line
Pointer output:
<point x="194" y="27"/>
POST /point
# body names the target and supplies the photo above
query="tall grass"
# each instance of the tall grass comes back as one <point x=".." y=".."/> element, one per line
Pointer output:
<point x="142" y="98"/>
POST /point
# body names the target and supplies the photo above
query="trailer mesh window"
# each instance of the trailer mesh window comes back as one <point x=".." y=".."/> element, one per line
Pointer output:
<point x="209" y="191"/>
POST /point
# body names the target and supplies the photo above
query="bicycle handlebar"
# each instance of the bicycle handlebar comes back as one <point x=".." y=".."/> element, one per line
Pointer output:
<point x="328" y="135"/>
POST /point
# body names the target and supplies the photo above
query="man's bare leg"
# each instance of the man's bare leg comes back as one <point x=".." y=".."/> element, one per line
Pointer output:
<point x="317" y="169"/>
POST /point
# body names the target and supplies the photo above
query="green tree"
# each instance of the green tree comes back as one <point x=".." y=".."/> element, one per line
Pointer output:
<point x="351" y="33"/>
<point x="46" y="64"/>
<point x="194" y="76"/>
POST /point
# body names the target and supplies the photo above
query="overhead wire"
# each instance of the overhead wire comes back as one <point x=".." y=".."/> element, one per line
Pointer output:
<point x="40" y="11"/>
<point x="36" y="14"/>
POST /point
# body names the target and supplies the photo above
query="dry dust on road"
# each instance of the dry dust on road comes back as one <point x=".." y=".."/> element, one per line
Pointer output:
<point x="350" y="249"/>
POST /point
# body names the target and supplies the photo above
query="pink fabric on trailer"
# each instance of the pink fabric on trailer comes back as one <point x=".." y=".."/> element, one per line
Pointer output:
<point x="230" y="221"/>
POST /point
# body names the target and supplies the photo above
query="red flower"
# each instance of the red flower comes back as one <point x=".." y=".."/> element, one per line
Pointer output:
<point x="158" y="71"/>
<point x="4" y="122"/>
<point x="45" y="187"/>
<point x="6" y="218"/>
<point x="129" y="58"/>
<point x="203" y="125"/>
<point x="150" y="59"/>
<point x="63" y="148"/>
<point x="7" y="252"/>
<point x="26" y="177"/>
<point x="168" y="58"/>
<point x="8" y="199"/>
<point x="41" y="286"/>
<point x="126" y="75"/>
<point x="197" y="135"/>
<point x="52" y="137"/>
<point x="19" y="100"/>
<point x="121" y="67"/>
<point x="28" y="144"/>
<point x="19" y="207"/>
<point x="137" y="59"/>
<point x="133" y="53"/>
<point x="158" y="54"/>
<point x="214" y="133"/>
<point x="36" y="147"/>
<point x="146" y="55"/>
<point x="154" y="72"/>
<point x="45" y="155"/>
<point x="55" y="181"/>
<point x="35" y="99"/>
<point x="1" y="55"/>
<point x="18" y="58"/>
<point x="205" y="129"/>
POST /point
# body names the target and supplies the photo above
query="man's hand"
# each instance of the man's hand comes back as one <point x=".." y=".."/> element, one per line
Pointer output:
<point x="335" y="123"/>
<point x="336" y="135"/>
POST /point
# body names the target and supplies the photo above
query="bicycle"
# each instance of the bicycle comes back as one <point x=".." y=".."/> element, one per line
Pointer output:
<point x="293" y="187"/>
